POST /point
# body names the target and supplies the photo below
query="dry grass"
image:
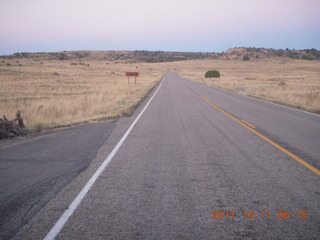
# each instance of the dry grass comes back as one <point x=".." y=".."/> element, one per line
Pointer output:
<point x="56" y="93"/>
<point x="294" y="83"/>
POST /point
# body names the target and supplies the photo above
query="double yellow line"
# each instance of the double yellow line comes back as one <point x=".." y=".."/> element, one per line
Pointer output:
<point x="250" y="127"/>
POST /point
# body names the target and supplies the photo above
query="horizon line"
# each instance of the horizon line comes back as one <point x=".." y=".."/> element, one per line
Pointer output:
<point x="164" y="51"/>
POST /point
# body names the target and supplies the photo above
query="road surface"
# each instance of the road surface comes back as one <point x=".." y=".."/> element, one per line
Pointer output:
<point x="35" y="168"/>
<point x="198" y="163"/>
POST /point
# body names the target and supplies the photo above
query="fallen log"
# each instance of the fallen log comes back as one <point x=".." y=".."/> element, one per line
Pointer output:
<point x="12" y="128"/>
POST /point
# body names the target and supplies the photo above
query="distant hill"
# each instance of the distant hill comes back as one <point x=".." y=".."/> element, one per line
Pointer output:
<point x="127" y="56"/>
<point x="256" y="53"/>
<point x="160" y="56"/>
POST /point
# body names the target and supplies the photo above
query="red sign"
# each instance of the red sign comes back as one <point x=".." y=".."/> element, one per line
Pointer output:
<point x="132" y="74"/>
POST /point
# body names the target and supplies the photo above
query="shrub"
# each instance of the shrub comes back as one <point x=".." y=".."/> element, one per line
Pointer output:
<point x="282" y="84"/>
<point x="245" y="58"/>
<point x="306" y="57"/>
<point x="62" y="56"/>
<point x="212" y="74"/>
<point x="73" y="63"/>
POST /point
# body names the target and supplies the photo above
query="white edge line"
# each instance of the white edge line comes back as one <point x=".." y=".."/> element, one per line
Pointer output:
<point x="55" y="230"/>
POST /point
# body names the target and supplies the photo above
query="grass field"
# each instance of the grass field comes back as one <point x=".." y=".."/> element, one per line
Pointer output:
<point x="57" y="93"/>
<point x="295" y="83"/>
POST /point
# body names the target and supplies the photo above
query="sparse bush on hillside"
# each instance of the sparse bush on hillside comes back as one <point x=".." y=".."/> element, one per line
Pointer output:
<point x="21" y="55"/>
<point x="62" y="56"/>
<point x="293" y="54"/>
<point x="81" y="54"/>
<point x="245" y="58"/>
<point x="212" y="74"/>
<point x="307" y="57"/>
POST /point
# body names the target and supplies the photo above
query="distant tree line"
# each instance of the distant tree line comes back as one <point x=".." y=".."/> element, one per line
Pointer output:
<point x="161" y="56"/>
<point x="306" y="54"/>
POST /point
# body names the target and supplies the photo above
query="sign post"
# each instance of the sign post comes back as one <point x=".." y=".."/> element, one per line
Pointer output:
<point x="132" y="74"/>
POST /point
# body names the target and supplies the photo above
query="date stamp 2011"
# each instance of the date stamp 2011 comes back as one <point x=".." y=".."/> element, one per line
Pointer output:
<point x="259" y="214"/>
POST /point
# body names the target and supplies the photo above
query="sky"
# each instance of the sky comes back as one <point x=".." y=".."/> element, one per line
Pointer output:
<point x="157" y="25"/>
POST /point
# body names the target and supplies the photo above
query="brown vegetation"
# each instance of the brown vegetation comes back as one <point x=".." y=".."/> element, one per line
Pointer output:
<point x="15" y="127"/>
<point x="290" y="82"/>
<point x="55" y="93"/>
<point x="65" y="88"/>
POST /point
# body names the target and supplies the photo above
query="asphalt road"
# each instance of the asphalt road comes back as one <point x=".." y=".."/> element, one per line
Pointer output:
<point x="189" y="156"/>
<point x="35" y="168"/>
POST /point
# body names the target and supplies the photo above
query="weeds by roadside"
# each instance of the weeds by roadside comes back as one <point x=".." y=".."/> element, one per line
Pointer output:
<point x="57" y="93"/>
<point x="293" y="83"/>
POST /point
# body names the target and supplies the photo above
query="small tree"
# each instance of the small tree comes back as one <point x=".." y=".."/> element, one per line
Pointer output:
<point x="212" y="74"/>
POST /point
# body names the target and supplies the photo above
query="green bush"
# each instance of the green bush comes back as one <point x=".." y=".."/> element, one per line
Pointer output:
<point x="212" y="74"/>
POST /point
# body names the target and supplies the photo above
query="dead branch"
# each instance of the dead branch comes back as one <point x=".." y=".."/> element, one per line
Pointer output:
<point x="12" y="128"/>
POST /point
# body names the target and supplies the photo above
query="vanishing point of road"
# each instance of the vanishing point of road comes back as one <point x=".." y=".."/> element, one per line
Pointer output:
<point x="193" y="162"/>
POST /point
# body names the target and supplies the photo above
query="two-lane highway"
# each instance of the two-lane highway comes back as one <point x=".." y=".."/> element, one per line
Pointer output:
<point x="193" y="166"/>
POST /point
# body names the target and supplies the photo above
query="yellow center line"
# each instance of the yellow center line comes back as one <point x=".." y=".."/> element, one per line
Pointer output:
<point x="299" y="160"/>
<point x="250" y="125"/>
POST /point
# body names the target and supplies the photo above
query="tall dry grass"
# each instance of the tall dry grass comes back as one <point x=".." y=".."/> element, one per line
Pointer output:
<point x="56" y="93"/>
<point x="294" y="83"/>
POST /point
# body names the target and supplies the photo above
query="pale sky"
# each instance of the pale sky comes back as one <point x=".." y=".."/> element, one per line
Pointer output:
<point x="165" y="25"/>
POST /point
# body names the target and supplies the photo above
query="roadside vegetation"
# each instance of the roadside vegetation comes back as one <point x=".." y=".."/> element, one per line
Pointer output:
<point x="212" y="74"/>
<point x="60" y="93"/>
<point x="294" y="83"/>
<point x="66" y="88"/>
